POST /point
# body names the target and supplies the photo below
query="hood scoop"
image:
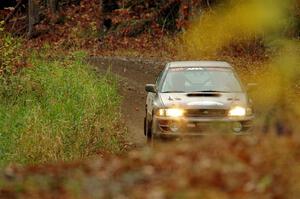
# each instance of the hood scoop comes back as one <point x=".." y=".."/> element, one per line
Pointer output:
<point x="172" y="99"/>
<point x="203" y="94"/>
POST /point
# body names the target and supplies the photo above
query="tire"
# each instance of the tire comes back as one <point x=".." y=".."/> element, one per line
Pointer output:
<point x="145" y="128"/>
<point x="148" y="129"/>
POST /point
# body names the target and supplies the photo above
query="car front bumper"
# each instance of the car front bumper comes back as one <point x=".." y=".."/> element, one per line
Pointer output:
<point x="196" y="126"/>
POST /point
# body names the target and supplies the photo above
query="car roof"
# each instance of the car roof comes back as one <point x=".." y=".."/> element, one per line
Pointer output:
<point x="221" y="64"/>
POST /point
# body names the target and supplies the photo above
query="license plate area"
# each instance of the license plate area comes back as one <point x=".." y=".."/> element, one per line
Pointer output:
<point x="206" y="126"/>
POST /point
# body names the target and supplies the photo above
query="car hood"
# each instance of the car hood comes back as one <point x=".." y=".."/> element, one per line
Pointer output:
<point x="203" y="100"/>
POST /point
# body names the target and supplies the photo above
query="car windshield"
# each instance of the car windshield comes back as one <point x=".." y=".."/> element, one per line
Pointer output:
<point x="197" y="79"/>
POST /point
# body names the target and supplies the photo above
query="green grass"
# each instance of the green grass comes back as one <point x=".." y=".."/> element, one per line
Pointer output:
<point x="58" y="110"/>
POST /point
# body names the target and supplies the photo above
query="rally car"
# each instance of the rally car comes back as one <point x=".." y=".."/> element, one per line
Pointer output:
<point x="191" y="97"/>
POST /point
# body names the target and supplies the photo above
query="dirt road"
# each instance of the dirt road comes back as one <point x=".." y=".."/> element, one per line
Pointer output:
<point x="133" y="74"/>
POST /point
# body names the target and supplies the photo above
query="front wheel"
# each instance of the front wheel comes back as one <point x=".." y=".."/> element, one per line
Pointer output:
<point x="148" y="129"/>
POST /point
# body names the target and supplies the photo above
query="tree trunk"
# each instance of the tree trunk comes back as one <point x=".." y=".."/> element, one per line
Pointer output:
<point x="33" y="15"/>
<point x="101" y="14"/>
<point x="104" y="23"/>
<point x="53" y="6"/>
<point x="101" y="6"/>
<point x="183" y="13"/>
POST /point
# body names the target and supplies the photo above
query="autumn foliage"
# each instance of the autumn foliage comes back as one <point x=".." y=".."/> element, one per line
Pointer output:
<point x="262" y="165"/>
<point x="211" y="167"/>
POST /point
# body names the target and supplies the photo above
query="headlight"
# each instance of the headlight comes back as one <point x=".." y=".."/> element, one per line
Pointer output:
<point x="237" y="111"/>
<point x="172" y="112"/>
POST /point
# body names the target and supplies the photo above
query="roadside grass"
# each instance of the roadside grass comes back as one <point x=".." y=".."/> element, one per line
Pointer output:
<point x="57" y="111"/>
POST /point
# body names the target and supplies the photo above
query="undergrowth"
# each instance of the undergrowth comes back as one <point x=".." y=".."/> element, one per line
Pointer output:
<point x="58" y="110"/>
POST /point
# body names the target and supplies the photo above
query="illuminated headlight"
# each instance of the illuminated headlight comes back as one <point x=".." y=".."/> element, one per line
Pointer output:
<point x="172" y="112"/>
<point x="237" y="111"/>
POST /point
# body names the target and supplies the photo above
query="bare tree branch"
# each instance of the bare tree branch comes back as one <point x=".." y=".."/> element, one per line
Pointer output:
<point x="8" y="17"/>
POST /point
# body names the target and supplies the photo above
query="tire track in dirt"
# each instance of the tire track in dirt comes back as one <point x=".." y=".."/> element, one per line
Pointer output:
<point x="132" y="74"/>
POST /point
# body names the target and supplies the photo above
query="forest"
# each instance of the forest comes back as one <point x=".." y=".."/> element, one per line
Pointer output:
<point x="72" y="98"/>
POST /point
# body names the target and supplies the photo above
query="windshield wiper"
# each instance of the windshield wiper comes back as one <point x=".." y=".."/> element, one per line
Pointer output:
<point x="173" y="92"/>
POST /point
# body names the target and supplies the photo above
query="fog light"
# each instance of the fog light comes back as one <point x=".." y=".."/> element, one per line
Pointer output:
<point x="237" y="127"/>
<point x="174" y="127"/>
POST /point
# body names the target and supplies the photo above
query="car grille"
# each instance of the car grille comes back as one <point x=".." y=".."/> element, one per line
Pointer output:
<point x="206" y="113"/>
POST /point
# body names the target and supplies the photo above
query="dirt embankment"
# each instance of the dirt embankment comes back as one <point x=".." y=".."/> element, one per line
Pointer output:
<point x="133" y="74"/>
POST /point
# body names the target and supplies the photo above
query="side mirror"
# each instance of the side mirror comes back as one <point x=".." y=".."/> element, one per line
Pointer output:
<point x="251" y="86"/>
<point x="150" y="88"/>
